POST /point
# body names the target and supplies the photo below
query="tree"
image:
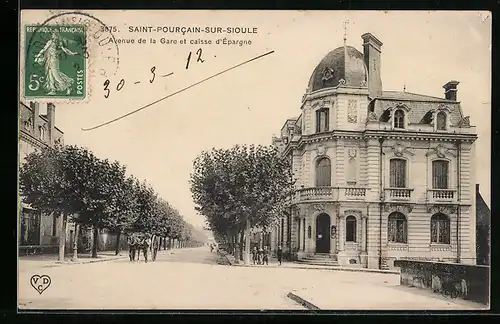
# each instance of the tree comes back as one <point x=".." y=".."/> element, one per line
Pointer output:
<point x="122" y="211"/>
<point x="99" y="190"/>
<point x="146" y="208"/>
<point x="48" y="182"/>
<point x="240" y="188"/>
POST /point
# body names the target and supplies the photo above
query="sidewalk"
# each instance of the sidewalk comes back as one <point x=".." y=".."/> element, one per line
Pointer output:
<point x="362" y="296"/>
<point x="52" y="260"/>
<point x="273" y="263"/>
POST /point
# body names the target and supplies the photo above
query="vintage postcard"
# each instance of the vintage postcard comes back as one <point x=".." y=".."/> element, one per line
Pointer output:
<point x="254" y="160"/>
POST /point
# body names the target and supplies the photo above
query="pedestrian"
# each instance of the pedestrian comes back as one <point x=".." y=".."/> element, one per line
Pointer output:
<point x="254" y="255"/>
<point x="279" y="254"/>
<point x="261" y="256"/>
<point x="211" y="247"/>
<point x="145" y="246"/>
<point x="265" y="258"/>
<point x="132" y="245"/>
<point x="156" y="246"/>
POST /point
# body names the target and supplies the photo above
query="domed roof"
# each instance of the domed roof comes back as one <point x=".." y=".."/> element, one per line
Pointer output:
<point x="334" y="67"/>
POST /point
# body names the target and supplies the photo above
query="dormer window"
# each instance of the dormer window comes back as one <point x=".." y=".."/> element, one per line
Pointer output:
<point x="322" y="116"/>
<point x="399" y="119"/>
<point x="42" y="132"/>
<point x="441" y="120"/>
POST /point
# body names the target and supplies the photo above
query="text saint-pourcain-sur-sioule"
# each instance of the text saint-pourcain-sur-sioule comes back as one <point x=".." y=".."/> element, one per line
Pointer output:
<point x="380" y="175"/>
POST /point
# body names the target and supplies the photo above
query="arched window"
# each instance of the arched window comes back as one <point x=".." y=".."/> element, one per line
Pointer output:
<point x="323" y="173"/>
<point x="440" y="229"/>
<point x="399" y="119"/>
<point x="397" y="173"/>
<point x="42" y="132"/>
<point x="440" y="174"/>
<point x="441" y="121"/>
<point x="396" y="231"/>
<point x="309" y="232"/>
<point x="350" y="229"/>
<point x="322" y="116"/>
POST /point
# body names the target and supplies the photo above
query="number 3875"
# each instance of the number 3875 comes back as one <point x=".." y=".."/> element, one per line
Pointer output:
<point x="35" y="81"/>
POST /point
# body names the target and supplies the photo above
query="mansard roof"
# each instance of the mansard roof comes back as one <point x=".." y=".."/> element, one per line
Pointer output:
<point x="420" y="106"/>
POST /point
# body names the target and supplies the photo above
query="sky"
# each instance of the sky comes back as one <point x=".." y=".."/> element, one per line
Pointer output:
<point x="249" y="104"/>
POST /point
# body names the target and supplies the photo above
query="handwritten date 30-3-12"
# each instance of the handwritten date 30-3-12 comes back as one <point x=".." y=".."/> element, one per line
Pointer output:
<point x="121" y="83"/>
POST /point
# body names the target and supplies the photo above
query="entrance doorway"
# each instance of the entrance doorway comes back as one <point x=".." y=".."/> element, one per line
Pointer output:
<point x="323" y="233"/>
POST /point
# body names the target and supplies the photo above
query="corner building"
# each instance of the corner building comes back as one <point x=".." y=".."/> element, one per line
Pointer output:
<point x="380" y="175"/>
<point x="38" y="232"/>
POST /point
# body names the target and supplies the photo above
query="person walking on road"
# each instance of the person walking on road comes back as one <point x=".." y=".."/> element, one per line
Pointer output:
<point x="254" y="255"/>
<point x="279" y="254"/>
<point x="133" y="242"/>
<point x="261" y="256"/>
<point x="155" y="247"/>
<point x="265" y="257"/>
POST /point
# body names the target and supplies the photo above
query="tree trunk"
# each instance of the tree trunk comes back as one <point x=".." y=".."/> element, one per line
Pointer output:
<point x="62" y="237"/>
<point x="95" y="242"/>
<point x="247" y="242"/>
<point x="75" y="243"/>
<point x="237" y="251"/>
<point x="242" y="246"/>
<point x="164" y="243"/>
<point x="118" y="235"/>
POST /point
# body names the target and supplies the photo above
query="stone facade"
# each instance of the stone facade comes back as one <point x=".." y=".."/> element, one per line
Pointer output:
<point x="380" y="175"/>
<point x="35" y="132"/>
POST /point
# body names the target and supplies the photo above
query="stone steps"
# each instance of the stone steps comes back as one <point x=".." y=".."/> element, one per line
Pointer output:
<point x="320" y="259"/>
<point x="319" y="262"/>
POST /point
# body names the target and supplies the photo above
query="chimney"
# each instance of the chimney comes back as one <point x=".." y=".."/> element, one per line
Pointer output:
<point x="51" y="116"/>
<point x="35" y="115"/>
<point x="372" y="49"/>
<point x="450" y="90"/>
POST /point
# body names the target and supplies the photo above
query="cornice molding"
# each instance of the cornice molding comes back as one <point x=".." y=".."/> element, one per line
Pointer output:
<point x="31" y="139"/>
<point x="365" y="135"/>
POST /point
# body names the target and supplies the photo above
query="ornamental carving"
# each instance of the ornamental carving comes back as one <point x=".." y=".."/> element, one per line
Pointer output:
<point x="441" y="151"/>
<point x="58" y="142"/>
<point x="352" y="212"/>
<point x="352" y="111"/>
<point x="372" y="116"/>
<point x="317" y="208"/>
<point x="327" y="74"/>
<point x="442" y="208"/>
<point x="443" y="107"/>
<point x="351" y="153"/>
<point x="363" y="83"/>
<point x="320" y="150"/>
<point x="341" y="82"/>
<point x="399" y="207"/>
<point x="464" y="122"/>
<point x="28" y="124"/>
<point x="400" y="150"/>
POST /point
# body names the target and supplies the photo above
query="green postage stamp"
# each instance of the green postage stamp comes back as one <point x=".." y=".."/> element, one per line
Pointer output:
<point x="55" y="61"/>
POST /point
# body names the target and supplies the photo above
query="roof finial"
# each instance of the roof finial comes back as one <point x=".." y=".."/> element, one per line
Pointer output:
<point x="345" y="32"/>
<point x="404" y="88"/>
<point x="345" y="49"/>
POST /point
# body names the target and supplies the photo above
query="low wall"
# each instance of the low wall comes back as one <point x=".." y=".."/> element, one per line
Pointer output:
<point x="469" y="282"/>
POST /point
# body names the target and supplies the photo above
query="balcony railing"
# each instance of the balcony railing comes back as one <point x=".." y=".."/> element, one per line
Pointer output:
<point x="315" y="193"/>
<point x="330" y="194"/>
<point x="351" y="193"/>
<point x="441" y="195"/>
<point x="398" y="194"/>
